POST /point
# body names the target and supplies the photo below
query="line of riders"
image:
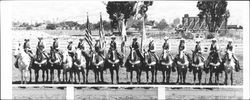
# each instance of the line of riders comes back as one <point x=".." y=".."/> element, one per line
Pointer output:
<point x="147" y="57"/>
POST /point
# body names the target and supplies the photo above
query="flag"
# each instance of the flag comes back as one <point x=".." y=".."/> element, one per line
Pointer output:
<point x="101" y="32"/>
<point x="87" y="24"/>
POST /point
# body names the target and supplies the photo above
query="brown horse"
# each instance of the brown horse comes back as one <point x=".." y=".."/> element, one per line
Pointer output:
<point x="113" y="63"/>
<point x="133" y="63"/>
<point x="96" y="63"/>
<point x="41" y="62"/>
<point x="166" y="63"/>
<point x="55" y="63"/>
<point x="214" y="66"/>
<point x="182" y="63"/>
<point x="197" y="66"/>
<point x="149" y="64"/>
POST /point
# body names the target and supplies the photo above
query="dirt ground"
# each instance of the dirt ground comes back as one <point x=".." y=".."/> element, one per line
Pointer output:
<point x="35" y="93"/>
<point x="214" y="94"/>
<point x="238" y="76"/>
<point x="115" y="93"/>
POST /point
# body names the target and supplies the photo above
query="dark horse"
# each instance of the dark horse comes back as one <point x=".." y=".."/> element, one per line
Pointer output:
<point x="133" y="63"/>
<point x="229" y="66"/>
<point x="149" y="64"/>
<point x="166" y="63"/>
<point x="55" y="63"/>
<point x="41" y="62"/>
<point x="182" y="62"/>
<point x="214" y="66"/>
<point x="96" y="63"/>
<point x="113" y="63"/>
<point x="197" y="66"/>
<point x="79" y="64"/>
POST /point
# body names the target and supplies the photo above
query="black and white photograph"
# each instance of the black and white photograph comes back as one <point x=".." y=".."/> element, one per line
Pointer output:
<point x="195" y="49"/>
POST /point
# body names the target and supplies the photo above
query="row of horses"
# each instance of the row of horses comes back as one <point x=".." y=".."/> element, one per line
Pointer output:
<point x="79" y="65"/>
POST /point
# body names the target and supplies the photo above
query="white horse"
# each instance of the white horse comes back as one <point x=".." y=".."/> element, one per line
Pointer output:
<point x="23" y="63"/>
<point x="67" y="62"/>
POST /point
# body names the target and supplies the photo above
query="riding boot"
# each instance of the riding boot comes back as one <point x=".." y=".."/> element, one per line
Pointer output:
<point x="139" y="54"/>
<point x="237" y="66"/>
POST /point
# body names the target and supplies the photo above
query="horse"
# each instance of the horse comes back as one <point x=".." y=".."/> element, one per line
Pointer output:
<point x="149" y="64"/>
<point x="182" y="63"/>
<point x="165" y="65"/>
<point x="41" y="62"/>
<point x="229" y="66"/>
<point x="214" y="64"/>
<point x="133" y="63"/>
<point x="96" y="63"/>
<point x="55" y="63"/>
<point x="23" y="63"/>
<point x="113" y="63"/>
<point x="79" y="64"/>
<point x="67" y="63"/>
<point x="197" y="66"/>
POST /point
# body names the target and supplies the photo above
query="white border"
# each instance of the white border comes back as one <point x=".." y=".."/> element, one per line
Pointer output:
<point x="6" y="59"/>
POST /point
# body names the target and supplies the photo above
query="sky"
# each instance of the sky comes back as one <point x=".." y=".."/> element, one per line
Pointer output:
<point x="38" y="11"/>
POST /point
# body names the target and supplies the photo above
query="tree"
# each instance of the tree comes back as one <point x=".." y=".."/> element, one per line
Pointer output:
<point x="176" y="22"/>
<point x="214" y="12"/>
<point x="162" y="24"/>
<point x="137" y="25"/>
<point x="51" y="26"/>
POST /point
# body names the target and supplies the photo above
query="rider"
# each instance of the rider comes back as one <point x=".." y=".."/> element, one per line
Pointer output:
<point x="40" y="46"/>
<point x="214" y="48"/>
<point x="113" y="46"/>
<point x="70" y="48"/>
<point x="230" y="48"/>
<point x="98" y="48"/>
<point x="55" y="44"/>
<point x="81" y="44"/>
<point x="166" y="46"/>
<point x="182" y="46"/>
<point x="197" y="49"/>
<point x="26" y="47"/>
<point x="151" y="48"/>
<point x="135" y="46"/>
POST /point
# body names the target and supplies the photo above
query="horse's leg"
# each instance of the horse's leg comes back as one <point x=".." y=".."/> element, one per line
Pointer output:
<point x="200" y="76"/>
<point x="36" y="75"/>
<point x="111" y="73"/>
<point x="47" y="75"/>
<point x="217" y="78"/>
<point x="210" y="78"/>
<point x="194" y="73"/>
<point x="147" y="76"/>
<point x="83" y="75"/>
<point x="64" y="73"/>
<point x="168" y="73"/>
<point x="184" y="76"/>
<point x="232" y="78"/>
<point x="43" y="75"/>
<point x="138" y="76"/>
<point x="78" y="74"/>
<point x="152" y="77"/>
<point x="71" y="76"/>
<point x="66" y="76"/>
<point x="155" y="74"/>
<point x="87" y="73"/>
<point x="102" y="79"/>
<point x="163" y="76"/>
<point x="75" y="72"/>
<point x="30" y="75"/>
<point x="226" y="75"/>
<point x="52" y="75"/>
<point x="178" y="76"/>
<point x="21" y="76"/>
<point x="25" y="76"/>
<point x="131" y="76"/>
<point x="58" y="75"/>
<point x="117" y="75"/>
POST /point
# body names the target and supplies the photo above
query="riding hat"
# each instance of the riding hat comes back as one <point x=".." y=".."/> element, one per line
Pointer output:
<point x="134" y="38"/>
<point x="97" y="39"/>
<point x="55" y="38"/>
<point x="213" y="40"/>
<point x="70" y="41"/>
<point x="166" y="38"/>
<point x="230" y="40"/>
<point x="197" y="40"/>
<point x="182" y="40"/>
<point x="26" y="39"/>
<point x="151" y="39"/>
<point x="80" y="39"/>
<point x="40" y="38"/>
<point x="113" y="37"/>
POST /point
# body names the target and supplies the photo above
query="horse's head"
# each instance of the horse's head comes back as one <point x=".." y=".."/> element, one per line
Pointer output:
<point x="133" y="56"/>
<point x="113" y="55"/>
<point x="65" y="55"/>
<point x="78" y="55"/>
<point x="214" y="57"/>
<point x="40" y="55"/>
<point x="183" y="58"/>
<point x="229" y="55"/>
